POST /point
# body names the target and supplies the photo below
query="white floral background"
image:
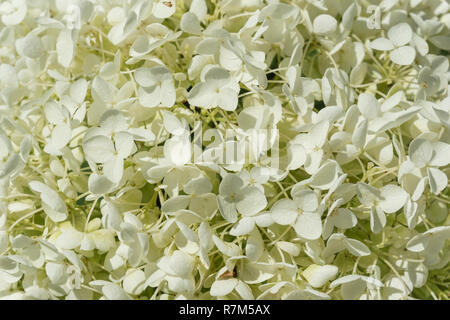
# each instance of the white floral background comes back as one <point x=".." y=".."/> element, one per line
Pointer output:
<point x="100" y="197"/>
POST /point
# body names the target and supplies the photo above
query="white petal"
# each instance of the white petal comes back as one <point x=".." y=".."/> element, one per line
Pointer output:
<point x="69" y="239"/>
<point x="134" y="282"/>
<point x="230" y="184"/>
<point x="111" y="216"/>
<point x="145" y="77"/>
<point x="164" y="9"/>
<point x="124" y="144"/>
<point x="358" y="73"/>
<point x="411" y="213"/>
<point x="181" y="263"/>
<point x="221" y="288"/>
<point x="392" y="198"/>
<point x="324" y="24"/>
<point x="205" y="235"/>
<point x="205" y="205"/>
<point x="158" y="172"/>
<point x="150" y="97"/>
<point x="189" y="23"/>
<point x="403" y="56"/>
<point x="38" y="186"/>
<point x="31" y="46"/>
<point x="367" y="194"/>
<point x="198" y="186"/>
<point x="335" y="243"/>
<point x="61" y="135"/>
<point x="263" y="220"/>
<point x="4" y="241"/>
<point x="382" y="44"/>
<point x="344" y="280"/>
<point x="103" y="239"/>
<point x="356" y="247"/>
<point x="113" y="169"/>
<point x="99" y="184"/>
<point x="113" y="120"/>
<point x="306" y="200"/>
<point x="417" y="273"/>
<point x="296" y="156"/>
<point x="360" y="134"/>
<point x="254" y="246"/>
<point x="178" y="150"/>
<point x="309" y="226"/>
<point x="284" y="212"/>
<point x="65" y="48"/>
<point x="420" y="152"/>
<point x="306" y="294"/>
<point x="244" y="291"/>
<point x="243" y="226"/>
<point x="78" y="90"/>
<point x="289" y="247"/>
<point x="208" y="46"/>
<point x="441" y="154"/>
<point x="317" y="276"/>
<point x="442" y="42"/>
<point x="253" y="201"/>
<point x="400" y="34"/>
<point x="227" y="248"/>
<point x="228" y="59"/>
<point x="114" y="292"/>
<point x="203" y="95"/>
<point x="181" y="285"/>
<point x="438" y="180"/>
<point x="172" y="123"/>
<point x="227" y="99"/>
<point x="377" y="219"/>
<point x="99" y="148"/>
<point x="227" y="209"/>
<point x="325" y="176"/>
<point x="392" y="101"/>
<point x="328" y="228"/>
<point x="175" y="204"/>
<point x="368" y="106"/>
<point x="420" y="44"/>
<point x="55" y="272"/>
<point x="319" y="134"/>
<point x="344" y="219"/>
<point x="353" y="290"/>
<point x="418" y="243"/>
<point x="199" y="8"/>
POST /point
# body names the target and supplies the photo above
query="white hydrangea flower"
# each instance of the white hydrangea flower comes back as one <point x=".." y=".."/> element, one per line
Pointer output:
<point x="300" y="213"/>
<point x="156" y="87"/>
<point x="217" y="89"/>
<point x="399" y="36"/>
<point x="236" y="197"/>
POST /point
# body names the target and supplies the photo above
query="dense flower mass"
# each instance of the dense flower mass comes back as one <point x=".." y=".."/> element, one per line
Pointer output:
<point x="224" y="149"/>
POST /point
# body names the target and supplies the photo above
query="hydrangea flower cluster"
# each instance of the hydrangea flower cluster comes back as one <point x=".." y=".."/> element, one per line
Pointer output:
<point x="102" y="195"/>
